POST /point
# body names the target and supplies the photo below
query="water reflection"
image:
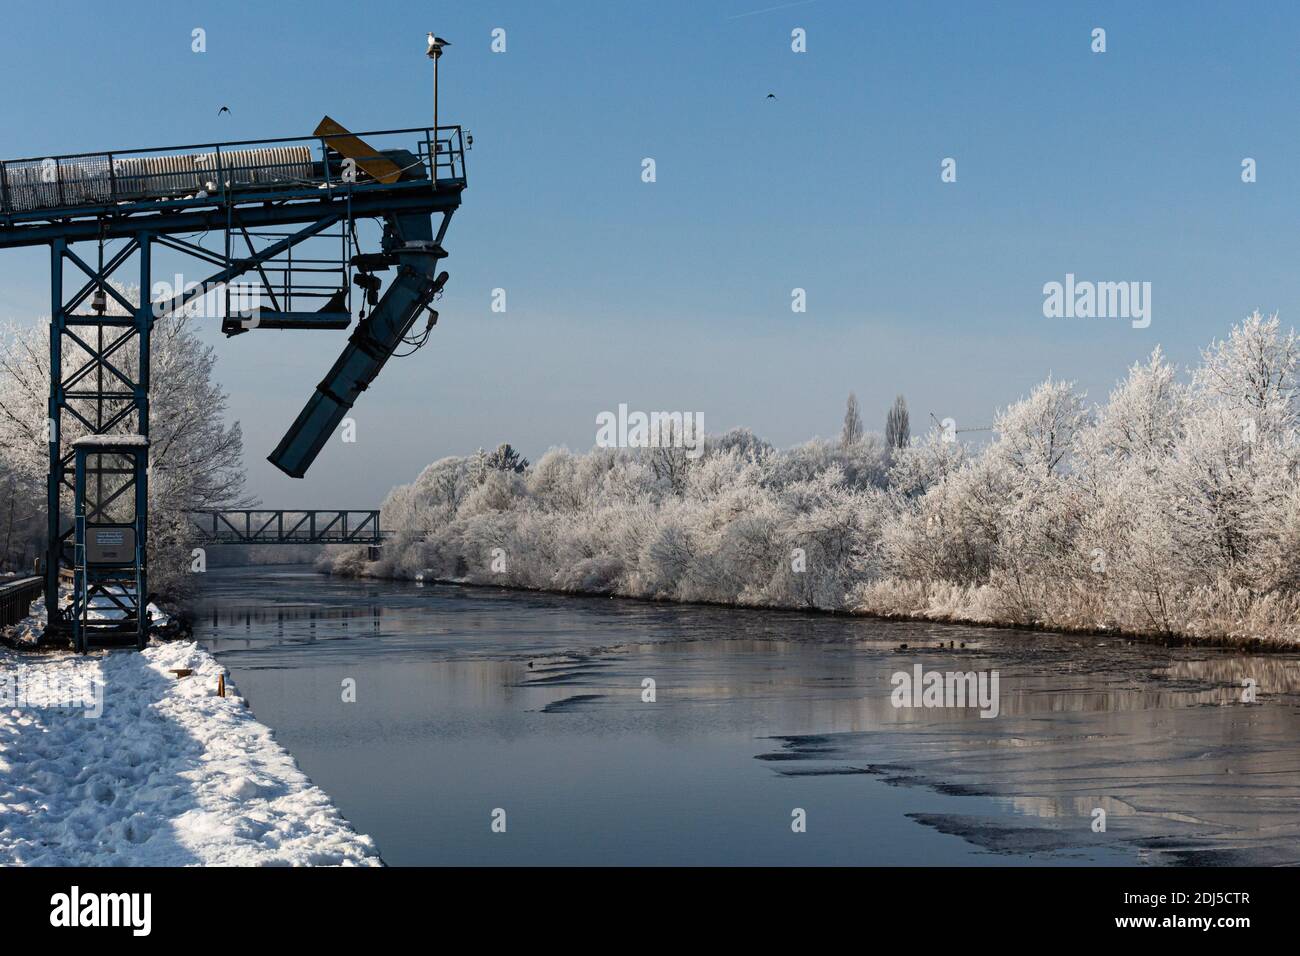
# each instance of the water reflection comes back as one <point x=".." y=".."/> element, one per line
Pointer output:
<point x="468" y="699"/>
<point x="218" y="619"/>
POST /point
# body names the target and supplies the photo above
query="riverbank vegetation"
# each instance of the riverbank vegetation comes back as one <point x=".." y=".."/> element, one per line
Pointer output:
<point x="1173" y="507"/>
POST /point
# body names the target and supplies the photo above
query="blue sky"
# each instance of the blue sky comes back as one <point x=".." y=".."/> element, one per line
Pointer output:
<point x="675" y="295"/>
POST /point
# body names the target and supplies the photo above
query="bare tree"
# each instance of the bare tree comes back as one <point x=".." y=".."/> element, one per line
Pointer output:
<point x="852" y="432"/>
<point x="898" y="430"/>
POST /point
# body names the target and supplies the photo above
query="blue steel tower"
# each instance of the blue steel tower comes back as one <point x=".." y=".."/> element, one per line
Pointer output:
<point x="263" y="202"/>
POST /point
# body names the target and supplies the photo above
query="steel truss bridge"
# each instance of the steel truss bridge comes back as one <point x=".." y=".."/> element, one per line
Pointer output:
<point x="241" y="527"/>
<point x="260" y="210"/>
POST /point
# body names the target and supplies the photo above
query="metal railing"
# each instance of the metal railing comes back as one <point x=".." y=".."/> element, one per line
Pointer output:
<point x="16" y="599"/>
<point x="220" y="171"/>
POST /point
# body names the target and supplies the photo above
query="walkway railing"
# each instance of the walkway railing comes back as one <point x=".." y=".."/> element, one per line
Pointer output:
<point x="16" y="597"/>
<point x="219" y="171"/>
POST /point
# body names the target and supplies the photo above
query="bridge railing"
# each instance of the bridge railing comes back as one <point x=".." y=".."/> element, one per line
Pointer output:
<point x="217" y="171"/>
<point x="262" y="526"/>
<point x="16" y="597"/>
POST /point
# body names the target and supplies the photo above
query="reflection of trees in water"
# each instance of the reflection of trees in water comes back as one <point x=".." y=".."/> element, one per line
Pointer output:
<point x="1272" y="674"/>
<point x="247" y="616"/>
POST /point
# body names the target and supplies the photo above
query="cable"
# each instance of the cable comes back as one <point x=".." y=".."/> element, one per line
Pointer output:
<point x="419" y="342"/>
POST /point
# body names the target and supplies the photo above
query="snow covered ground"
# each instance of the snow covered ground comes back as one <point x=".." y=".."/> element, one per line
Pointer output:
<point x="30" y="628"/>
<point x="169" y="774"/>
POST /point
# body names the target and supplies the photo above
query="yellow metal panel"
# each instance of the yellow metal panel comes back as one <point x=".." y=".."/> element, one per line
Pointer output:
<point x="382" y="168"/>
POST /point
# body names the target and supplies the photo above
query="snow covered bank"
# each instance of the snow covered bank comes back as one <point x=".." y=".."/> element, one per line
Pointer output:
<point x="30" y="628"/>
<point x="28" y="631"/>
<point x="169" y="774"/>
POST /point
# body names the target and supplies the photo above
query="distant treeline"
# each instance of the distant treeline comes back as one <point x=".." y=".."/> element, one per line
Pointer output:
<point x="1172" y="508"/>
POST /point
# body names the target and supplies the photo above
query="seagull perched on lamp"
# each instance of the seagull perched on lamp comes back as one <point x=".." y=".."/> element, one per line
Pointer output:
<point x="435" y="46"/>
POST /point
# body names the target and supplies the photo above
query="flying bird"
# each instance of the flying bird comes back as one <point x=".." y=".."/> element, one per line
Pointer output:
<point x="224" y="109"/>
<point x="435" y="46"/>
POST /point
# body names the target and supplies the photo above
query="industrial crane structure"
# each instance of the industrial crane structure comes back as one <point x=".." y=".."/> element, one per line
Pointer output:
<point x="271" y="206"/>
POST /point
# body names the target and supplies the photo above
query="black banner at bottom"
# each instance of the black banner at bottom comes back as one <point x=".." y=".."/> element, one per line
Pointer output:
<point x="223" y="906"/>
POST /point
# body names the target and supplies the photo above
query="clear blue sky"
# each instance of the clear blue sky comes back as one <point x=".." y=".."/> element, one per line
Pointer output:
<point x="676" y="295"/>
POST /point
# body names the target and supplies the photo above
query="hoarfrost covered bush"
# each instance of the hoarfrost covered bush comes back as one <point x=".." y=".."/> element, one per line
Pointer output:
<point x="723" y="527"/>
<point x="1171" y="508"/>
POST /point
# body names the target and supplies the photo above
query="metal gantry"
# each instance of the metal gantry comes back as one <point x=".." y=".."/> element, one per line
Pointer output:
<point x="264" y="199"/>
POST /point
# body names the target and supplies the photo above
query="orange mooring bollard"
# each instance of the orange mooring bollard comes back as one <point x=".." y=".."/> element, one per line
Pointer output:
<point x="221" y="685"/>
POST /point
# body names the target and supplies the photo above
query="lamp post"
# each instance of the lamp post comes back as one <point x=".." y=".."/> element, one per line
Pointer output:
<point x="436" y="44"/>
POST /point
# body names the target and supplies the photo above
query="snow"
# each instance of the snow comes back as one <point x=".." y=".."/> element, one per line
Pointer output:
<point x="104" y="608"/>
<point x="111" y="441"/>
<point x="168" y="774"/>
<point x="30" y="628"/>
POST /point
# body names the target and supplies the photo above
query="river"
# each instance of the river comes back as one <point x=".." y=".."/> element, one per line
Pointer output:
<point x="771" y="738"/>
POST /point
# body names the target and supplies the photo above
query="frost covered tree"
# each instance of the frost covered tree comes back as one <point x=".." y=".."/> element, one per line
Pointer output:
<point x="505" y="458"/>
<point x="920" y="465"/>
<point x="669" y="457"/>
<point x="851" y="433"/>
<point x="1034" y="436"/>
<point x="1254" y="371"/>
<point x="898" y="430"/>
<point x="1145" y="414"/>
<point x="21" y="525"/>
